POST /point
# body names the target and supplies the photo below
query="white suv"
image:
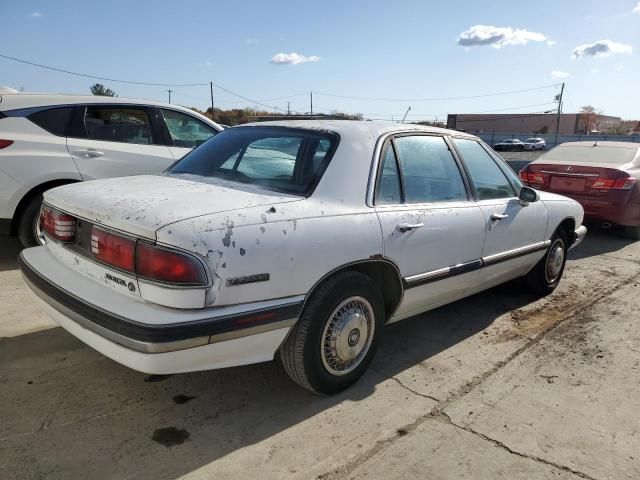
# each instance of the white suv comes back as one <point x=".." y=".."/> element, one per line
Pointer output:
<point x="49" y="140"/>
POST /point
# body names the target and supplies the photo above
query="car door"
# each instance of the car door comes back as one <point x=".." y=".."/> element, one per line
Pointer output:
<point x="116" y="140"/>
<point x="185" y="131"/>
<point x="514" y="230"/>
<point x="431" y="227"/>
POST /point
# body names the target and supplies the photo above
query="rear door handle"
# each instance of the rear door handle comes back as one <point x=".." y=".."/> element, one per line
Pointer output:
<point x="498" y="216"/>
<point x="88" y="153"/>
<point x="405" y="227"/>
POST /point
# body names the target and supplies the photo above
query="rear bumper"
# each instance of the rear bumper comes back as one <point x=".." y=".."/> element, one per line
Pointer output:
<point x="580" y="233"/>
<point x="201" y="340"/>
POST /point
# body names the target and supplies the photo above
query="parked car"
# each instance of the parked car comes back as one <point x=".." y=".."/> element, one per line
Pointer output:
<point x="601" y="176"/>
<point x="534" y="144"/>
<point x="509" y="145"/>
<point x="50" y="140"/>
<point x="296" y="238"/>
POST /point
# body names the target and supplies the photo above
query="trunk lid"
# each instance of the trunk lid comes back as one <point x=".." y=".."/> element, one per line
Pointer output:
<point x="140" y="205"/>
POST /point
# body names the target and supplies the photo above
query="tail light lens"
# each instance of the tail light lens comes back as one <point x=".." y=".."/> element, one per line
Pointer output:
<point x="168" y="266"/>
<point x="113" y="249"/>
<point x="622" y="183"/>
<point x="58" y="225"/>
<point x="529" y="177"/>
<point x="5" y="143"/>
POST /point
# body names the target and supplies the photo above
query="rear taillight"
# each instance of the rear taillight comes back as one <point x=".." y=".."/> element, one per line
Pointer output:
<point x="5" y="143"/>
<point x="146" y="260"/>
<point x="58" y="225"/>
<point x="529" y="177"/>
<point x="113" y="249"/>
<point x="604" y="183"/>
<point x="168" y="266"/>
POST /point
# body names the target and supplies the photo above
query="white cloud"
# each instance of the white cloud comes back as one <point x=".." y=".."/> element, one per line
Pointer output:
<point x="601" y="48"/>
<point x="206" y="63"/>
<point x="636" y="9"/>
<point x="498" y="37"/>
<point x="251" y="41"/>
<point x="559" y="74"/>
<point x="292" y="58"/>
<point x="551" y="43"/>
<point x="35" y="15"/>
<point x="595" y="71"/>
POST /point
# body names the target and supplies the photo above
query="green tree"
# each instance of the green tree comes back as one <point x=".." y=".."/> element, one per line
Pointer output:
<point x="101" y="91"/>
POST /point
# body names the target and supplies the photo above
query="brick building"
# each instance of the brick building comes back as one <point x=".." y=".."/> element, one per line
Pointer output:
<point x="528" y="123"/>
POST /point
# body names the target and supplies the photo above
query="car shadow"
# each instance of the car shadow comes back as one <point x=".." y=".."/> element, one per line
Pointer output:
<point x="599" y="242"/>
<point x="9" y="249"/>
<point x="86" y="406"/>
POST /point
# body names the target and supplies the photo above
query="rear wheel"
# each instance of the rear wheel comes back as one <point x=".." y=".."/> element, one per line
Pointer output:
<point x="545" y="276"/>
<point x="336" y="337"/>
<point x="29" y="229"/>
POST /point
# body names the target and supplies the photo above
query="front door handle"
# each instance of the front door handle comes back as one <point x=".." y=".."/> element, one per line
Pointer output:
<point x="498" y="216"/>
<point x="405" y="227"/>
<point x="88" y="153"/>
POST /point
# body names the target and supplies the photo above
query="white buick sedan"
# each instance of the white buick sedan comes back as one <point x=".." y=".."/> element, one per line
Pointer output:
<point x="298" y="239"/>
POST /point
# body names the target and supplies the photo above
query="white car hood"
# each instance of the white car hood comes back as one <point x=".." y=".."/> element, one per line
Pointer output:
<point x="140" y="205"/>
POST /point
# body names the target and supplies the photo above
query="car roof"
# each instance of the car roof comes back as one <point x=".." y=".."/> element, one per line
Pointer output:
<point x="19" y="100"/>
<point x="372" y="128"/>
<point x="599" y="143"/>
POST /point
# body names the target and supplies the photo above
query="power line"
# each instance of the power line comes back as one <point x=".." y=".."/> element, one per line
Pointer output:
<point x="96" y="77"/>
<point x="437" y="99"/>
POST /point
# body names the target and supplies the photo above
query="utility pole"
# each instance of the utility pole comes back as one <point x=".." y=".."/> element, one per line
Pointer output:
<point x="405" y="114"/>
<point x="559" y="112"/>
<point x="311" y="96"/>
<point x="213" y="110"/>
<point x="169" y="94"/>
<point x="288" y="108"/>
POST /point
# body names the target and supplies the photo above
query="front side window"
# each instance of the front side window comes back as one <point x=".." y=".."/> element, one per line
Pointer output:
<point x="185" y="130"/>
<point x="489" y="180"/>
<point x="118" y="124"/>
<point x="429" y="170"/>
<point x="282" y="159"/>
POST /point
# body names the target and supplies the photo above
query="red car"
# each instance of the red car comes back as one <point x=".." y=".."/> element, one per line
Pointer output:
<point x="602" y="176"/>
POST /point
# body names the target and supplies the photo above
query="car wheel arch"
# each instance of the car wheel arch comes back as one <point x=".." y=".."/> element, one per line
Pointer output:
<point x="36" y="190"/>
<point x="569" y="227"/>
<point x="384" y="272"/>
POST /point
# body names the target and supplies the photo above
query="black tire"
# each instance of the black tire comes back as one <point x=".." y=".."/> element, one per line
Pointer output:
<point x="301" y="353"/>
<point x="27" y="223"/>
<point x="537" y="280"/>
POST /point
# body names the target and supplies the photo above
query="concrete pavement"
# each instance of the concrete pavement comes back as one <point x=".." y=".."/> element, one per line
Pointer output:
<point x="499" y="385"/>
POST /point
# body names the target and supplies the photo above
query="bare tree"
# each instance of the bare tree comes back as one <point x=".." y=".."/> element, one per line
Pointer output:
<point x="589" y="116"/>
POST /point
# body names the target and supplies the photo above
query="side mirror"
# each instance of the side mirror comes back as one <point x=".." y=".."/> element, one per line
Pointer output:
<point x="528" y="195"/>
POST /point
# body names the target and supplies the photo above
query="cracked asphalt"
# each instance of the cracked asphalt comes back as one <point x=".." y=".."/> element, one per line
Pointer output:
<point x="499" y="385"/>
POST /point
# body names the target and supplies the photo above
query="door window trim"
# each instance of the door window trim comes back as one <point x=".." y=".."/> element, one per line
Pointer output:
<point x="377" y="166"/>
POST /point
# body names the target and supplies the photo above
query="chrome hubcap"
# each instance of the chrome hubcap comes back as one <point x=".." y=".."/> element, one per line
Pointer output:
<point x="347" y="336"/>
<point x="39" y="229"/>
<point x="555" y="260"/>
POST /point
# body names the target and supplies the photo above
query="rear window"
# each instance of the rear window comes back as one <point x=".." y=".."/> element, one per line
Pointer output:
<point x="278" y="158"/>
<point x="590" y="154"/>
<point x="53" y="120"/>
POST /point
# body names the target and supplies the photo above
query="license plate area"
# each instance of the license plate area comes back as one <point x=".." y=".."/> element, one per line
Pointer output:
<point x="568" y="184"/>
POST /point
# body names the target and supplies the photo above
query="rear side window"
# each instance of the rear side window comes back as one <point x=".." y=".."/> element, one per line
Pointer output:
<point x="282" y="159"/>
<point x="429" y="170"/>
<point x="53" y="120"/>
<point x="117" y="124"/>
<point x="488" y="178"/>
<point x="185" y="130"/>
<point x="389" y="190"/>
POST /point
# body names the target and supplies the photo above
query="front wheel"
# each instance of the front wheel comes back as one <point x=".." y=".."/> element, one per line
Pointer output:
<point x="545" y="276"/>
<point x="335" y="339"/>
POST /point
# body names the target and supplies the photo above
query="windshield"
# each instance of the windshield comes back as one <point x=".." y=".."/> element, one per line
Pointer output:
<point x="532" y="140"/>
<point x="284" y="159"/>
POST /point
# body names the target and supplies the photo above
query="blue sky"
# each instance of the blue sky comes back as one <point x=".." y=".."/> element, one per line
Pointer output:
<point x="392" y="50"/>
